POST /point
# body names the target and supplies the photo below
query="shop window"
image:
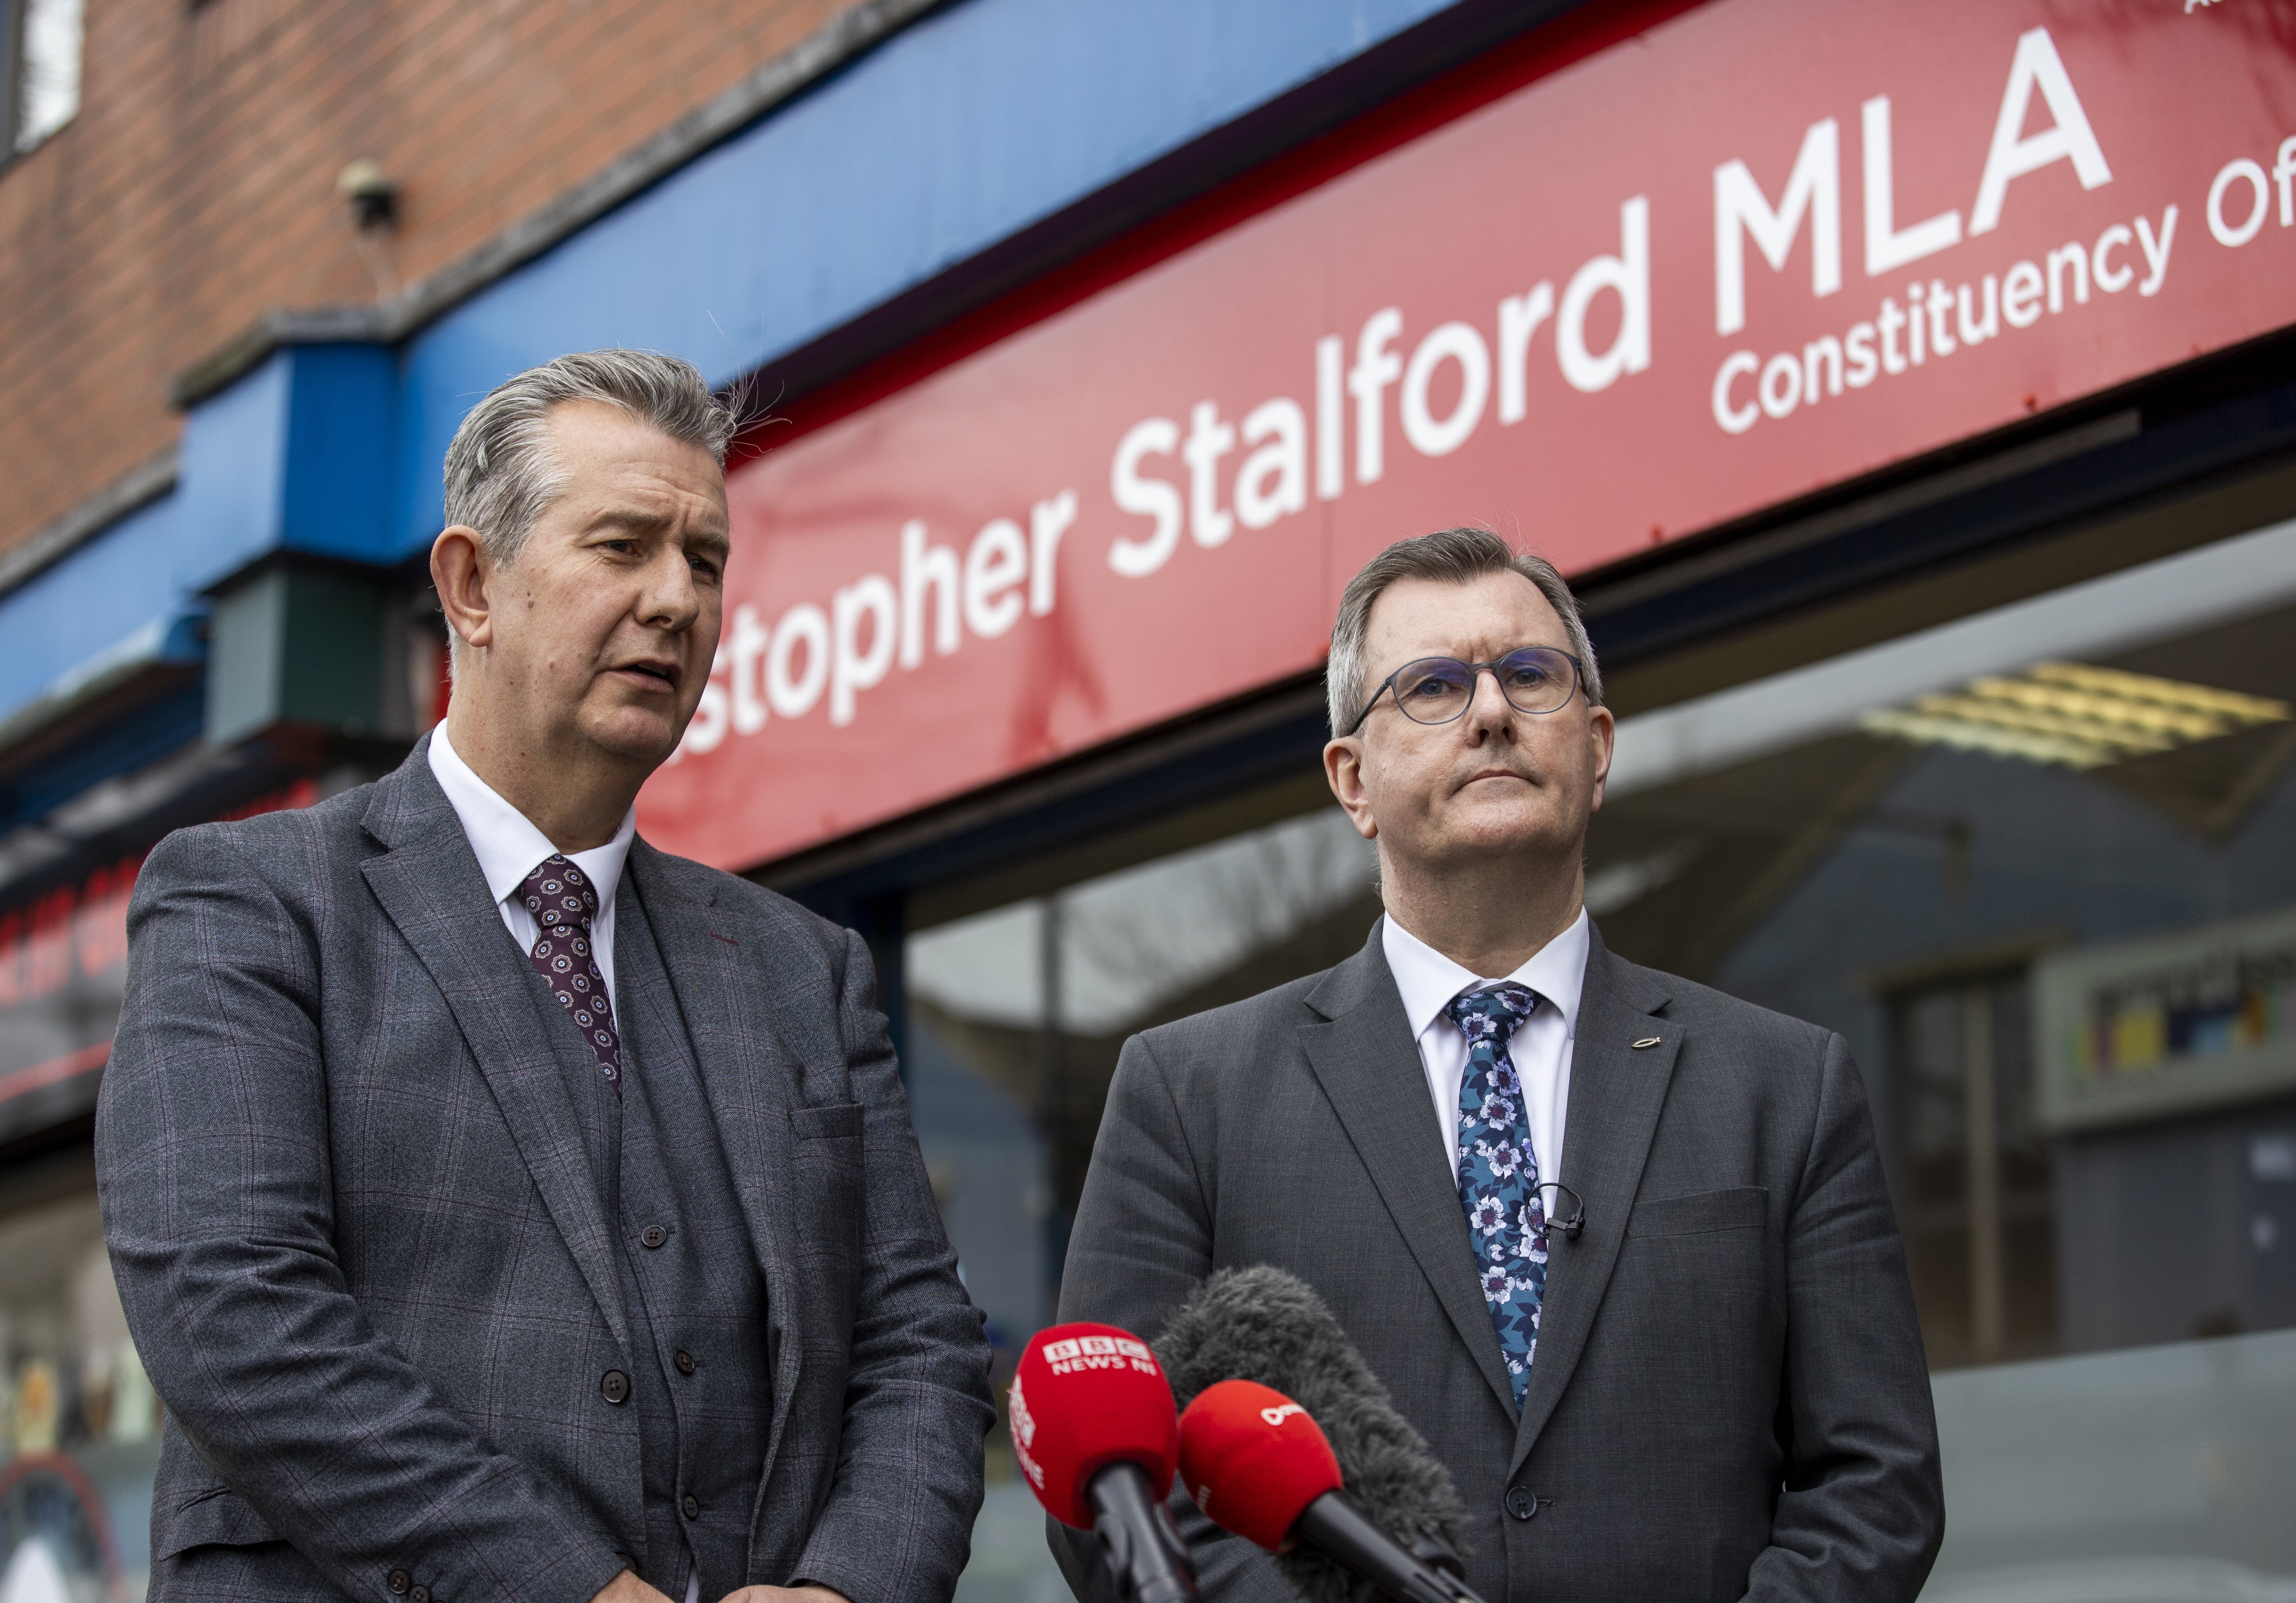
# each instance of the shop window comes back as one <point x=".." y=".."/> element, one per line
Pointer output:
<point x="2038" y="867"/>
<point x="1016" y="1016"/>
<point x="39" y="69"/>
<point x="1973" y="1169"/>
<point x="78" y="1422"/>
<point x="2062" y="835"/>
<point x="1034" y="998"/>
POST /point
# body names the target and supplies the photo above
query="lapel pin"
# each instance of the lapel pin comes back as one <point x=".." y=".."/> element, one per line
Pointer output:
<point x="1647" y="1040"/>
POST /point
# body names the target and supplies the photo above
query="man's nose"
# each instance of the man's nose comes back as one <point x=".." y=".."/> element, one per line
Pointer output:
<point x="1488" y="710"/>
<point x="670" y="600"/>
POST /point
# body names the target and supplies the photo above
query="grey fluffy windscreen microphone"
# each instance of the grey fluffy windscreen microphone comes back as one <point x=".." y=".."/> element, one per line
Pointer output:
<point x="1265" y="1325"/>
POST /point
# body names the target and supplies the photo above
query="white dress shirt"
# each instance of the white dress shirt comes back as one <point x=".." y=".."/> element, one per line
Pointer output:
<point x="509" y="847"/>
<point x="1540" y="1047"/>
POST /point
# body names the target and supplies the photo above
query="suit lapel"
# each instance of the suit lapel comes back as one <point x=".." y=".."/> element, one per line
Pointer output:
<point x="1368" y="1064"/>
<point x="1616" y="1089"/>
<point x="430" y="887"/>
<point x="746" y="1072"/>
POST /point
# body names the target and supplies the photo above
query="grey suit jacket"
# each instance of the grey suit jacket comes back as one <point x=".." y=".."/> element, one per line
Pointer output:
<point x="364" y="1259"/>
<point x="1729" y="1396"/>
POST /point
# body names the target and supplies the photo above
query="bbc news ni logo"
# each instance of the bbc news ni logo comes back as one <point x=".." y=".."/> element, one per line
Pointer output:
<point x="1078" y="1353"/>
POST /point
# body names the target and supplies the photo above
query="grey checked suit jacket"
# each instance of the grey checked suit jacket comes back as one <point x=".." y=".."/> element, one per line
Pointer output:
<point x="364" y="1259"/>
<point x="1729" y="1397"/>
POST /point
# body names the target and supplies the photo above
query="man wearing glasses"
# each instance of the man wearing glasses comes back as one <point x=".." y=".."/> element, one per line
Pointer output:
<point x="1617" y="1244"/>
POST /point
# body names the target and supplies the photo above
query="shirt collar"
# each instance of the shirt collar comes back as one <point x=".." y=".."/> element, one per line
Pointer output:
<point x="1429" y="980"/>
<point x="504" y="840"/>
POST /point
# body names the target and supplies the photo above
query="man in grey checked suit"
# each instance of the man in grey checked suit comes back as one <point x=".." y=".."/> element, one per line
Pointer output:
<point x="504" y="1209"/>
<point x="1672" y="1357"/>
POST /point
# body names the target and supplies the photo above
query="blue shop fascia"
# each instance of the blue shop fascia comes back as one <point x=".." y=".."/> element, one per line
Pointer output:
<point x="245" y="621"/>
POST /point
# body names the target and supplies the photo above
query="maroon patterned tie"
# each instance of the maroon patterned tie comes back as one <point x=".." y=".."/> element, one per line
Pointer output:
<point x="564" y="902"/>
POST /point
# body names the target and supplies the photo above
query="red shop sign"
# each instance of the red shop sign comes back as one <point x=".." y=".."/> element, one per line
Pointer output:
<point x="1767" y="246"/>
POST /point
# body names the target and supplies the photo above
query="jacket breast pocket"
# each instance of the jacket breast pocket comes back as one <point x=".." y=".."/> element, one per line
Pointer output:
<point x="1702" y="1213"/>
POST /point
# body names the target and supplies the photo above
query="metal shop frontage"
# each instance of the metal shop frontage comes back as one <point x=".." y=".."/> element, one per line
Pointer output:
<point x="1912" y="392"/>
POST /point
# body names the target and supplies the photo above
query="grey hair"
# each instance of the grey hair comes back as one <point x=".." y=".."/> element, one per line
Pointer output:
<point x="501" y="473"/>
<point x="1454" y="556"/>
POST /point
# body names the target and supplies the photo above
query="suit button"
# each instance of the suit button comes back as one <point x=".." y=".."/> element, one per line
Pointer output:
<point x="1522" y="1502"/>
<point x="614" y="1386"/>
<point x="692" y="1506"/>
<point x="398" y="1580"/>
<point x="420" y="1594"/>
<point x="653" y="1235"/>
<point x="684" y="1362"/>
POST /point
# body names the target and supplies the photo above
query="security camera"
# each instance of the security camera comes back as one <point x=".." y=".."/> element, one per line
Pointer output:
<point x="372" y="192"/>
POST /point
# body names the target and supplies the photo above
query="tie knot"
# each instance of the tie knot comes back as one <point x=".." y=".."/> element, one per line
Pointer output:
<point x="559" y="894"/>
<point x="1492" y="1013"/>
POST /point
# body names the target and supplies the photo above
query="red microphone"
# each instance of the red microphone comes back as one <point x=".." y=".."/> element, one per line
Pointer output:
<point x="1096" y="1435"/>
<point x="1259" y="1465"/>
<point x="1254" y="1460"/>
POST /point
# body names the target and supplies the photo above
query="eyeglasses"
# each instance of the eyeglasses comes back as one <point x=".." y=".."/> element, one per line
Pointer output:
<point x="1435" y="690"/>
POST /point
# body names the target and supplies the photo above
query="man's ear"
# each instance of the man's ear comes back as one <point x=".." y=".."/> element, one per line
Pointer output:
<point x="1602" y="730"/>
<point x="1343" y="772"/>
<point x="460" y="571"/>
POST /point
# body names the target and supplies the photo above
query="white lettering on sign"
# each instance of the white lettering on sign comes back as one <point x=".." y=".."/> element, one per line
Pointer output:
<point x="1813" y="190"/>
<point x="1146" y="496"/>
<point x="1208" y="480"/>
<point x="2069" y="136"/>
<point x="1889" y="247"/>
<point x="1432" y="379"/>
<point x="1937" y="320"/>
<point x="2237" y="234"/>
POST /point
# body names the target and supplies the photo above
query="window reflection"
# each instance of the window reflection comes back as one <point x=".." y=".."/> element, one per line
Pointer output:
<point x="1030" y="1003"/>
<point x="1976" y="1202"/>
<point x="2052" y="913"/>
<point x="78" y="1422"/>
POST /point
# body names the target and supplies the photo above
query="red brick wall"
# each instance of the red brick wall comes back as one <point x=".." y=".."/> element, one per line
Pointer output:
<point x="195" y="190"/>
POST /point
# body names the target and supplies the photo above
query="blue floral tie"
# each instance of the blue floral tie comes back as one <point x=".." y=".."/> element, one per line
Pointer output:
<point x="564" y="902"/>
<point x="1498" y="1173"/>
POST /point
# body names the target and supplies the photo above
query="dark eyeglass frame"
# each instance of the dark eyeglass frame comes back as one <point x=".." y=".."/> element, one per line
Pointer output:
<point x="1475" y="676"/>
